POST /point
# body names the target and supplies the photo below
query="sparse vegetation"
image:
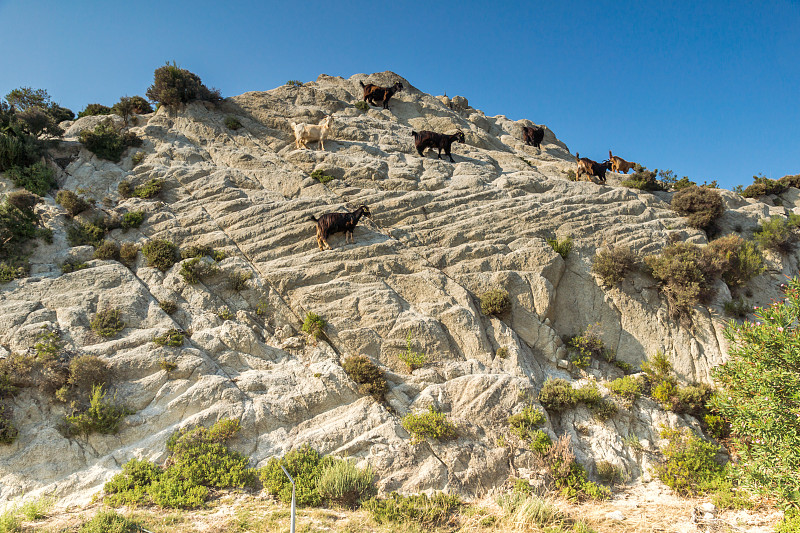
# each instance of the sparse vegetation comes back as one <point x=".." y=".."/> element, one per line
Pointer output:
<point x="367" y="374"/>
<point x="72" y="265"/>
<point x="702" y="206"/>
<point x="430" y="511"/>
<point x="561" y="246"/>
<point x="232" y="123"/>
<point x="107" y="143"/>
<point x="160" y="253"/>
<point x="18" y="226"/>
<point x="430" y="424"/>
<point x="685" y="274"/>
<point x="343" y="483"/>
<point x="174" y="86"/>
<point x="238" y="279"/>
<point x="314" y="325"/>
<point x="412" y="359"/>
<point x="736" y="308"/>
<point x="763" y="186"/>
<point x="361" y="105"/>
<point x="109" y="522"/>
<point x="294" y="83"/>
<point x="109" y="250"/>
<point x="628" y="387"/>
<point x="108" y="322"/>
<point x="225" y="313"/>
<point x="502" y="352"/>
<point x="588" y="346"/>
<point x="137" y="158"/>
<point x="526" y="423"/>
<point x="737" y="261"/>
<point x="102" y="416"/>
<point x="196" y="269"/>
<point x="94" y="109"/>
<point x="556" y="395"/>
<point x="128" y="252"/>
<point x="321" y="176"/>
<point x="70" y="201"/>
<point x="173" y="338"/>
<point x="495" y="302"/>
<point x="199" y="250"/>
<point x="778" y="234"/>
<point x="612" y="264"/>
<point x="168" y="306"/>
<point x="644" y="180"/>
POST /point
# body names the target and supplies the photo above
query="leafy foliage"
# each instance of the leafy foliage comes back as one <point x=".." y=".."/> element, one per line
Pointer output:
<point x="777" y="233"/>
<point x="526" y="423"/>
<point x="132" y="219"/>
<point x="160" y="253"/>
<point x="644" y="180"/>
<point x="759" y="396"/>
<point x="612" y="264"/>
<point x="173" y="86"/>
<point x="685" y="274"/>
<point x="304" y="464"/>
<point x="106" y="143"/>
<point x="321" y="176"/>
<point x="589" y="346"/>
<point x="18" y="226"/>
<point x="412" y="359"/>
<point x="38" y="178"/>
<point x="130" y="105"/>
<point x="701" y="205"/>
<point x="762" y="187"/>
<point x="628" y="387"/>
<point x="102" y="416"/>
<point x="367" y="374"/>
<point x="94" y="109"/>
<point x="314" y="325"/>
<point x="109" y="522"/>
<point x="561" y="246"/>
<point x="430" y="424"/>
<point x="361" y="105"/>
<point x="688" y="461"/>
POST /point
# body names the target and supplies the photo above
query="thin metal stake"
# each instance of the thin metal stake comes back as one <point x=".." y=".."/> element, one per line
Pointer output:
<point x="291" y="529"/>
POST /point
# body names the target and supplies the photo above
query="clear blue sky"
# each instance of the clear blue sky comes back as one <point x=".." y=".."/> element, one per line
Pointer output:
<point x="709" y="89"/>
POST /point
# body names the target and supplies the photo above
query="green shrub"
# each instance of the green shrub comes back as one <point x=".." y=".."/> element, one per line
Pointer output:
<point x="589" y="395"/>
<point x="196" y="270"/>
<point x="622" y="365"/>
<point x="525" y="423"/>
<point x="686" y="276"/>
<point x="736" y="308"/>
<point x="128" y="106"/>
<point x="173" y="492"/>
<point x="86" y="233"/>
<point x="72" y="265"/>
<point x="167" y="366"/>
<point x="590" y="345"/>
<point x="568" y="477"/>
<point x="305" y="466"/>
<point x="137" y="158"/>
<point x="321" y="176"/>
<point x="571" y="175"/>
<point x="172" y="338"/>
<point x="367" y="374"/>
<point x="314" y="325"/>
<point x="148" y="190"/>
<point x="717" y="427"/>
<point x="430" y="424"/>
<point x="701" y="206"/>
<point x="666" y="393"/>
<point x="109" y="522"/>
<point x="612" y="264"/>
<point x="762" y="187"/>
<point x="173" y="86"/>
<point x="199" y="250"/>
<point x="160" y="253"/>
<point x="224" y="313"/>
<point x="688" y="461"/>
<point x="776" y="233"/>
<point x="128" y="252"/>
<point x="412" y="359"/>
<point x="108" y="322"/>
<point x="561" y="246"/>
<point x="540" y="442"/>
<point x="130" y="487"/>
<point x="107" y="143"/>
<point x="495" y="302"/>
<point x="628" y="387"/>
<point x="557" y="395"/>
<point x="8" y="431"/>
<point x="431" y="511"/>
<point x="70" y="201"/>
<point x="790" y="522"/>
<point x="361" y="105"/>
<point x="232" y="123"/>
<point x="102" y="416"/>
<point x="737" y="260"/>
<point x="790" y="181"/>
<point x="107" y="250"/>
<point x="294" y="83"/>
<point x="658" y="367"/>
<point x="94" y="109"/>
<point x="344" y="483"/>
<point x="18" y="226"/>
<point x="132" y="219"/>
<point x="759" y="395"/>
<point x="38" y="178"/>
<point x="644" y="180"/>
<point x="238" y="280"/>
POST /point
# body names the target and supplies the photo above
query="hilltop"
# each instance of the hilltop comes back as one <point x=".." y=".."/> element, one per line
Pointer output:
<point x="441" y="235"/>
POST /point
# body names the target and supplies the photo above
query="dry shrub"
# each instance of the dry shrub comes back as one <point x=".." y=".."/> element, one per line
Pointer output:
<point x="700" y="205"/>
<point x="612" y="264"/>
<point x="737" y="261"/>
<point x="367" y="374"/>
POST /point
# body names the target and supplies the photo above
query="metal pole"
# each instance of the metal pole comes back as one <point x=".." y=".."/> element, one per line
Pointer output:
<point x="291" y="529"/>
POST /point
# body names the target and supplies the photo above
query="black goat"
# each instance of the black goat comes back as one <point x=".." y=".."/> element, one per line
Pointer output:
<point x="429" y="139"/>
<point x="373" y="93"/>
<point x="532" y="135"/>
<point x="335" y="222"/>
<point x="591" y="168"/>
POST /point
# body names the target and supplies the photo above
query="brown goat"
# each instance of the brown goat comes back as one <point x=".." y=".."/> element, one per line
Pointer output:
<point x="376" y="93"/>
<point x="620" y="165"/>
<point x="330" y="223"/>
<point x="591" y="168"/>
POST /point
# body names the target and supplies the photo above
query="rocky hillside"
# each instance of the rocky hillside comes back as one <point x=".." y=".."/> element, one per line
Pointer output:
<point x="441" y="235"/>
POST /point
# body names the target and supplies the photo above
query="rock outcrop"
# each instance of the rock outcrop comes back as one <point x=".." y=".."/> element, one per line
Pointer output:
<point x="441" y="235"/>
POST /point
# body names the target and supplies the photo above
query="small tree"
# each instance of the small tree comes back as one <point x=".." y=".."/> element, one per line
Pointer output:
<point x="173" y="86"/>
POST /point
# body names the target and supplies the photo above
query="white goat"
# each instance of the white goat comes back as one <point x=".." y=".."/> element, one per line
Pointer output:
<point x="305" y="132"/>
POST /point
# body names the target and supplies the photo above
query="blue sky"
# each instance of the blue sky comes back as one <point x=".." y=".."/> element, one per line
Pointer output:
<point x="708" y="89"/>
